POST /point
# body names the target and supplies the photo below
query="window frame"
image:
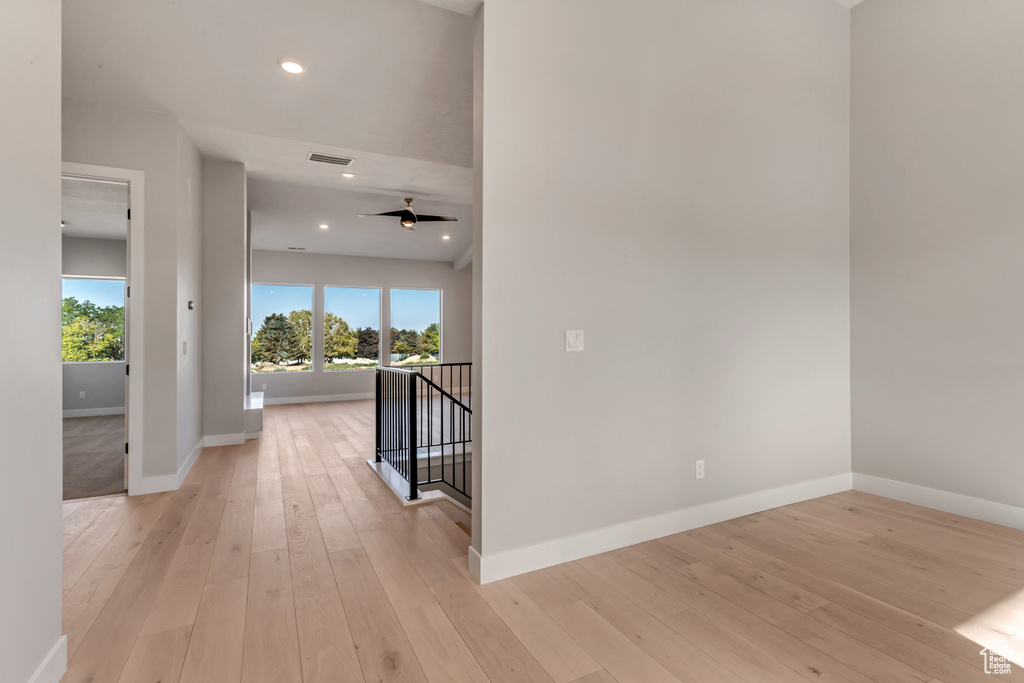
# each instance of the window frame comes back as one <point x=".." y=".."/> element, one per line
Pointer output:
<point x="312" y="331"/>
<point x="124" y="305"/>
<point x="440" y="315"/>
<point x="380" y="332"/>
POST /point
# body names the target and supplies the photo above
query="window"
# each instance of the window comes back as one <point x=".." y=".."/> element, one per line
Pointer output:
<point x="351" y="328"/>
<point x="282" y="316"/>
<point x="415" y="326"/>
<point x="92" y="317"/>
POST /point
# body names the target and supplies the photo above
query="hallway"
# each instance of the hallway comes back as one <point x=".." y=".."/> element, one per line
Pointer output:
<point x="286" y="559"/>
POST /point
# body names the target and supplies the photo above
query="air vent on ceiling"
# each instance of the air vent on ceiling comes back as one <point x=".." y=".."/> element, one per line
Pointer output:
<point x="328" y="159"/>
<point x="296" y="249"/>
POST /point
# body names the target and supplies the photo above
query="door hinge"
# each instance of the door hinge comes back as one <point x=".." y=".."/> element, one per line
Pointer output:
<point x="129" y="292"/>
<point x="127" y="369"/>
<point x="126" y="449"/>
<point x="129" y="214"/>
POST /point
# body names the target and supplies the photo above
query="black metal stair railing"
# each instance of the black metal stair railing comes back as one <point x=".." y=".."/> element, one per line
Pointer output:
<point x="424" y="422"/>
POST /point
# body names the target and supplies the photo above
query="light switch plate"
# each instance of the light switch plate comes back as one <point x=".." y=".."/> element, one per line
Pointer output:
<point x="574" y="341"/>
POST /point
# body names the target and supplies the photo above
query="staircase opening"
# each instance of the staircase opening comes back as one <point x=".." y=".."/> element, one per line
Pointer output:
<point x="424" y="433"/>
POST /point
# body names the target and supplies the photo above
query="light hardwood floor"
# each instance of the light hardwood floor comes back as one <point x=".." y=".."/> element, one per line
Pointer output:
<point x="287" y="560"/>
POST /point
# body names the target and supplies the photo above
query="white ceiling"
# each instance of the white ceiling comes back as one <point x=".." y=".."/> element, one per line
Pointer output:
<point x="849" y="3"/>
<point x="94" y="209"/>
<point x="286" y="161"/>
<point x="285" y="215"/>
<point x="388" y="82"/>
<point x="392" y="77"/>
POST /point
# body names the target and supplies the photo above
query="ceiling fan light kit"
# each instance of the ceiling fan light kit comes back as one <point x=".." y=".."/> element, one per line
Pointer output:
<point x="408" y="218"/>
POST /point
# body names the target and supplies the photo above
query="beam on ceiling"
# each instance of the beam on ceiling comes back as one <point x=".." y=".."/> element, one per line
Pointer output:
<point x="467" y="7"/>
<point x="464" y="260"/>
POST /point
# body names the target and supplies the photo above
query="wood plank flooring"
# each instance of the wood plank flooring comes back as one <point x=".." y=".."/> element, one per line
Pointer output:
<point x="287" y="560"/>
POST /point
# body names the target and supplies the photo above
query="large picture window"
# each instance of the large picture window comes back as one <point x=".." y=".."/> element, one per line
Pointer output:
<point x="351" y="328"/>
<point x="282" y="316"/>
<point x="92" y="317"/>
<point x="415" y="326"/>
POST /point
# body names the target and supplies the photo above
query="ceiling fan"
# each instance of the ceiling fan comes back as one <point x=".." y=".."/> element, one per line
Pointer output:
<point x="408" y="217"/>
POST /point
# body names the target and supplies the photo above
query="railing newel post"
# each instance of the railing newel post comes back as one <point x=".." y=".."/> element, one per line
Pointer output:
<point x="413" y="461"/>
<point x="380" y="413"/>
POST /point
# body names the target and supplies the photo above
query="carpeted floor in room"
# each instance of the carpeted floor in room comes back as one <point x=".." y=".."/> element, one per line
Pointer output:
<point x="93" y="456"/>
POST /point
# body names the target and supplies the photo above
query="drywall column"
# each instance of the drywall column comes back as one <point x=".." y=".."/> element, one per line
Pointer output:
<point x="190" y="276"/>
<point x="225" y="251"/>
<point x="937" y="247"/>
<point x="478" y="268"/>
<point x="31" y="645"/>
<point x="673" y="179"/>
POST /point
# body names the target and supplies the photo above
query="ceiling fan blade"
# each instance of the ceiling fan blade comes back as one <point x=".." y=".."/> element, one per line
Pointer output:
<point x="434" y="219"/>
<point x="389" y="213"/>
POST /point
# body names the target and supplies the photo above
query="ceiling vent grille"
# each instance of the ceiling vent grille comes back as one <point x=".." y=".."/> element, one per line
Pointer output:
<point x="328" y="159"/>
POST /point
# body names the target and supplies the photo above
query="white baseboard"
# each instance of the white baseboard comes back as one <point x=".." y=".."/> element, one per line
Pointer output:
<point x="186" y="466"/>
<point x="286" y="400"/>
<point x="252" y="435"/>
<point x="94" y="412"/>
<point x="54" y="665"/>
<point x="474" y="563"/>
<point x="211" y="440"/>
<point x="496" y="566"/>
<point x="955" y="503"/>
<point x="168" y="482"/>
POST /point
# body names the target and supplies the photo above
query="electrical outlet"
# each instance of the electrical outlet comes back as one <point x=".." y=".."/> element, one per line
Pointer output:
<point x="81" y="394"/>
<point x="700" y="469"/>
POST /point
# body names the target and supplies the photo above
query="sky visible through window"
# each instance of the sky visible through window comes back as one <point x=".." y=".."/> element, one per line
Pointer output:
<point x="103" y="293"/>
<point x="415" y="309"/>
<point x="411" y="309"/>
<point x="267" y="299"/>
<point x="358" y="307"/>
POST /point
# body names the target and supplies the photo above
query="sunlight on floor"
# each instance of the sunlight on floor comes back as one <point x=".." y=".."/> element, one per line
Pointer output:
<point x="999" y="628"/>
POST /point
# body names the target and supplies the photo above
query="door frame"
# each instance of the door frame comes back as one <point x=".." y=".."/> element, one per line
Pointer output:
<point x="135" y="279"/>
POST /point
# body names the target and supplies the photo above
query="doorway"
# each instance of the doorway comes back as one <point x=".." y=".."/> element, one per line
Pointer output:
<point x="95" y="348"/>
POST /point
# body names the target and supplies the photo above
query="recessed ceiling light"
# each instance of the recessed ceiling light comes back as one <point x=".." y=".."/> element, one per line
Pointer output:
<point x="446" y="237"/>
<point x="291" y="66"/>
<point x="323" y="226"/>
<point x="348" y="175"/>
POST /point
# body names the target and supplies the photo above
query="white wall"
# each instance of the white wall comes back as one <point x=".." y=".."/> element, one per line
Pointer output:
<point x="84" y="257"/>
<point x="30" y="209"/>
<point x="120" y="137"/>
<point x="937" y="246"/>
<point x="320" y="270"/>
<point x="103" y="384"/>
<point x="190" y="279"/>
<point x="672" y="178"/>
<point x="225" y="250"/>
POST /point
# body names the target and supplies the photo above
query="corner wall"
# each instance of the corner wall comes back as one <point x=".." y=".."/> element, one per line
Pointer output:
<point x="691" y="214"/>
<point x="937" y="248"/>
<point x="31" y="645"/>
<point x="190" y="283"/>
<point x="155" y="143"/>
